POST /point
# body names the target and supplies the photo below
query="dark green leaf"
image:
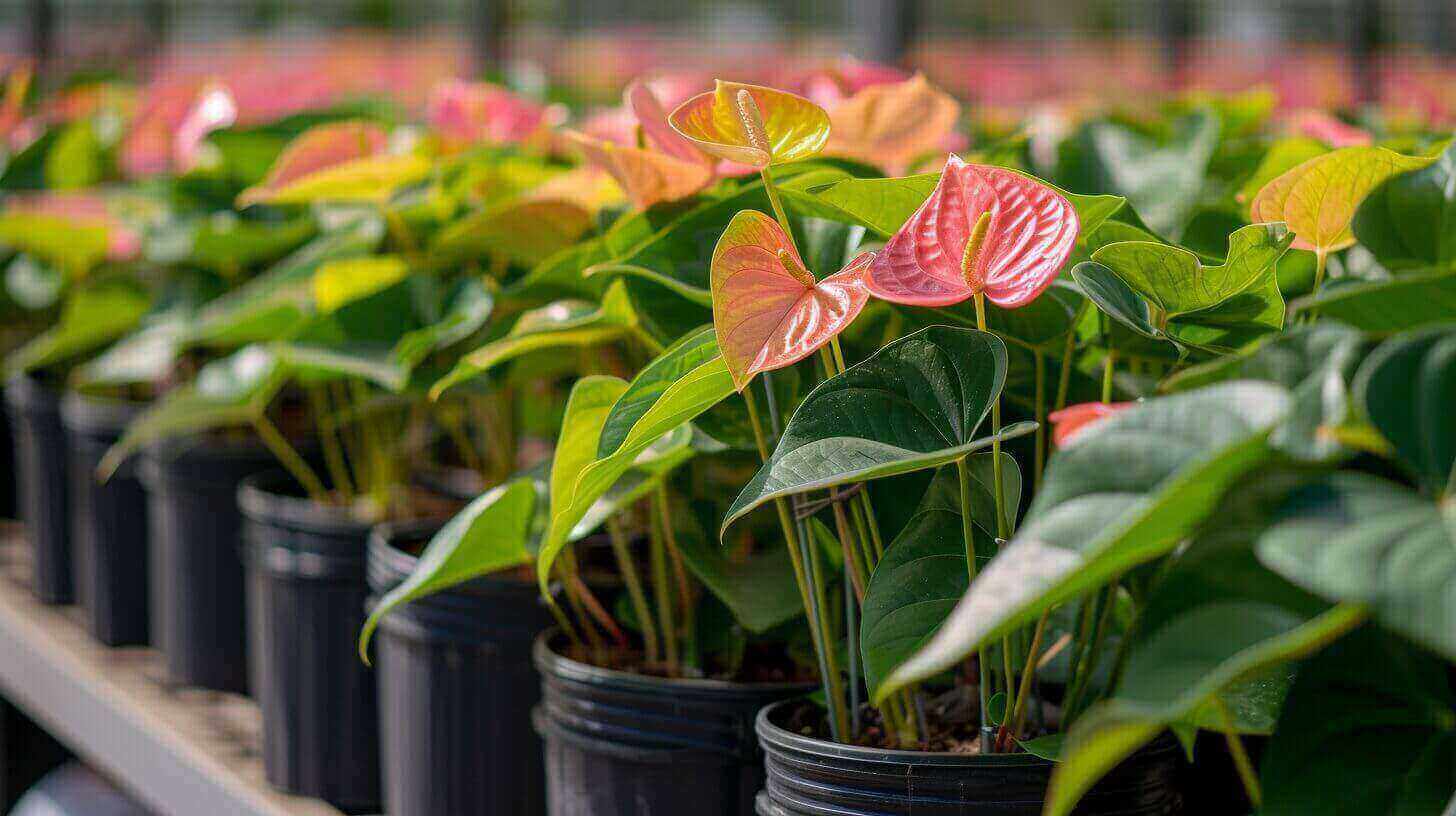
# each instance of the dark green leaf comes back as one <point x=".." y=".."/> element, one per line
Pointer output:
<point x="1384" y="307"/>
<point x="1410" y="220"/>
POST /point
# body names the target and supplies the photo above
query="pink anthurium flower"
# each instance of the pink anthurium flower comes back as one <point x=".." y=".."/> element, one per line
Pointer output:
<point x="1320" y="125"/>
<point x="317" y="149"/>
<point x="214" y="109"/>
<point x="464" y="113"/>
<point x="663" y="166"/>
<point x="1074" y="419"/>
<point x="768" y="310"/>
<point x="983" y="230"/>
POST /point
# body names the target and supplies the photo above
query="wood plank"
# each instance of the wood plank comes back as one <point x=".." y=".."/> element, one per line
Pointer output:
<point x="183" y="752"/>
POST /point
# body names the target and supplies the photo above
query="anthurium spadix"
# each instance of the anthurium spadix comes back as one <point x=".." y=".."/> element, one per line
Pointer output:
<point x="983" y="231"/>
<point x="664" y="166"/>
<point x="768" y="310"/>
<point x="752" y="125"/>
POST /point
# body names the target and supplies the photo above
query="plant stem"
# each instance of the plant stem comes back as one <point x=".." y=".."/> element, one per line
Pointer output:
<point x="1040" y="413"/>
<point x="623" y="554"/>
<point x="662" y="597"/>
<point x="1075" y="701"/>
<point x="1107" y="365"/>
<point x="808" y="590"/>
<point x="968" y="531"/>
<point x="680" y="575"/>
<point x="1247" y="775"/>
<point x="288" y="457"/>
<point x="1003" y="531"/>
<point x="1019" y="712"/>
<point x="333" y="452"/>
<point x="777" y="205"/>
<point x="1064" y="377"/>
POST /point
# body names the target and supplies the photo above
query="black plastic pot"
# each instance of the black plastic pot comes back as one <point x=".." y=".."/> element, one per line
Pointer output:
<point x="197" y="578"/>
<point x="813" y="777"/>
<point x="620" y="743"/>
<point x="305" y="565"/>
<point x="456" y="688"/>
<point x="108" y="524"/>
<point x="41" y="473"/>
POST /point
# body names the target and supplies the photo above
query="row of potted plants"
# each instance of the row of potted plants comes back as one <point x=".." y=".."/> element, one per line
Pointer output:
<point x="802" y="452"/>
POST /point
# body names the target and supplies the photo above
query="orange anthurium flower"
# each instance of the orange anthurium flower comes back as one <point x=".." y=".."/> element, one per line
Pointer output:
<point x="891" y="125"/>
<point x="665" y="167"/>
<point x="983" y="230"/>
<point x="753" y="125"/>
<point x="1072" y="420"/>
<point x="768" y="310"/>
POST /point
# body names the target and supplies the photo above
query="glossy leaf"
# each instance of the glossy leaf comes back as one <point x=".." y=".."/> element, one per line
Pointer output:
<point x="915" y="405"/>
<point x="337" y="283"/>
<point x="1355" y="538"/>
<point x="787" y="127"/>
<point x="923" y="572"/>
<point x="92" y="316"/>
<point x="579" y="480"/>
<point x="1407" y="387"/>
<point x="768" y="310"/>
<point x="1368" y="731"/>
<point x="1219" y="632"/>
<point x="522" y="232"/>
<point x="1410" y="301"/>
<point x="491" y="534"/>
<point x="1129" y="490"/>
<point x="1021" y="249"/>
<point x="1282" y="156"/>
<point x="1410" y="220"/>
<point x="564" y="324"/>
<point x="677" y="386"/>
<point x="1318" y="198"/>
<point x="891" y="124"/>
<point x="227" y="392"/>
<point x="1177" y="282"/>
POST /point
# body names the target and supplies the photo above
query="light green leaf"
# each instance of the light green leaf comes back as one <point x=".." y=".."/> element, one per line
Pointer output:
<point x="1176" y="281"/>
<point x="915" y="405"/>
<point x="523" y="232"/>
<point x="1283" y="155"/>
<point x="337" y="283"/>
<point x="92" y="316"/>
<point x="1130" y="489"/>
<point x="492" y="533"/>
<point x="680" y="384"/>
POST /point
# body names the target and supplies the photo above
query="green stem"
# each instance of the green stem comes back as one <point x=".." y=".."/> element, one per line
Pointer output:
<point x="633" y="581"/>
<point x="1064" y="377"/>
<point x="968" y="531"/>
<point x="1107" y="366"/>
<point x="288" y="457"/>
<point x="1247" y="775"/>
<point x="1003" y="526"/>
<point x="1019" y="712"/>
<point x="777" y="205"/>
<point x="328" y="436"/>
<point x="1076" y="701"/>
<point x="1040" y="413"/>
<point x="662" y="597"/>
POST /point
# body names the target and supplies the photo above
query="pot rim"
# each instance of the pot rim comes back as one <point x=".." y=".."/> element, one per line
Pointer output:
<point x="551" y="663"/>
<point x="89" y="413"/>
<point x="262" y="498"/>
<point x="775" y="737"/>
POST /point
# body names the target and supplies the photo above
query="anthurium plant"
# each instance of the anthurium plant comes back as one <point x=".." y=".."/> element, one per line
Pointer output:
<point x="1050" y="440"/>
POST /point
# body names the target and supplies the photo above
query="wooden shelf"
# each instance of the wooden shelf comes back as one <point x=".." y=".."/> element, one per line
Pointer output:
<point x="182" y="752"/>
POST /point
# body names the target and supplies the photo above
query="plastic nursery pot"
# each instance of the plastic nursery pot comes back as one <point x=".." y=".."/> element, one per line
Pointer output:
<point x="813" y="777"/>
<point x="456" y="688"/>
<point x="626" y="743"/>
<point x="108" y="523"/>
<point x="42" y="476"/>
<point x="306" y="588"/>
<point x="7" y="466"/>
<point x="197" y="578"/>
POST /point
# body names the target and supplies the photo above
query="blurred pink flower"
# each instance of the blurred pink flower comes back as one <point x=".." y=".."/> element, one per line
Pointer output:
<point x="1074" y="419"/>
<point x="83" y="209"/>
<point x="1327" y="128"/>
<point x="470" y="112"/>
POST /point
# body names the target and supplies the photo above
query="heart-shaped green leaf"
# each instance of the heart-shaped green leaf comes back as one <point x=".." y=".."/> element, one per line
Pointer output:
<point x="1407" y="387"/>
<point x="1409" y="301"/>
<point x="923" y="572"/>
<point x="227" y="392"/>
<point x="1367" y="731"/>
<point x="1128" y="491"/>
<point x="92" y="316"/>
<point x="681" y="383"/>
<point x="916" y="404"/>
<point x="1283" y="155"/>
<point x="564" y="324"/>
<point x="522" y="232"/>
<point x="1410" y="220"/>
<point x="579" y="480"/>
<point x="492" y="533"/>
<point x="1216" y="636"/>
<point x="1177" y="282"/>
<point x="1318" y="198"/>
<point x="758" y="589"/>
<point x="1356" y="538"/>
<point x="1162" y="180"/>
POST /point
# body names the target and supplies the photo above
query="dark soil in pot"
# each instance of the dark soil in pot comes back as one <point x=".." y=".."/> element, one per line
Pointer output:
<point x="808" y="776"/>
<point x="619" y="743"/>
<point x="108" y="523"/>
<point x="456" y="688"/>
<point x="42" y="477"/>
<point x="197" y="578"/>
